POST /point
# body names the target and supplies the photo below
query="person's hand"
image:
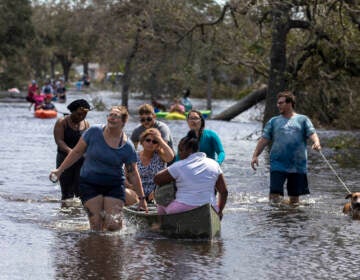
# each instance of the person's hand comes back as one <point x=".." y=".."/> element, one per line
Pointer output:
<point x="143" y="205"/>
<point x="254" y="163"/>
<point x="156" y="134"/>
<point x="55" y="175"/>
<point x="316" y="146"/>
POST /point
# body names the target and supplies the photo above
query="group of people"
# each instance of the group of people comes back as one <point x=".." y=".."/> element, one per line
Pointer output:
<point x="41" y="98"/>
<point x="115" y="172"/>
<point x="179" y="105"/>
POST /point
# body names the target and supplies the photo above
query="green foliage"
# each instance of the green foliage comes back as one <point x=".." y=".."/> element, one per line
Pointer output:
<point x="347" y="147"/>
<point x="15" y="31"/>
<point x="98" y="104"/>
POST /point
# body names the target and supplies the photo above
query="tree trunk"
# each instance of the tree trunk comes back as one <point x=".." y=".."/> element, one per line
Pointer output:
<point x="244" y="104"/>
<point x="209" y="88"/>
<point x="66" y="65"/>
<point x="86" y="68"/>
<point x="52" y="68"/>
<point x="127" y="73"/>
<point x="277" y="77"/>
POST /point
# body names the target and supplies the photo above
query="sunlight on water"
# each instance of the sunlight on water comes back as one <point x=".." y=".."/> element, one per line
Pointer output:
<point x="42" y="237"/>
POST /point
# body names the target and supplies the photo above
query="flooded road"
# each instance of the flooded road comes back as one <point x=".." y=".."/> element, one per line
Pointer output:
<point x="40" y="240"/>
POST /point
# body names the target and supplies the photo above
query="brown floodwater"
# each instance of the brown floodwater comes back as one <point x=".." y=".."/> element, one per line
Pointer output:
<point x="41" y="240"/>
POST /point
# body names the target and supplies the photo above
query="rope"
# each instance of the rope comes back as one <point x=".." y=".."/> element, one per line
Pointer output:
<point x="333" y="170"/>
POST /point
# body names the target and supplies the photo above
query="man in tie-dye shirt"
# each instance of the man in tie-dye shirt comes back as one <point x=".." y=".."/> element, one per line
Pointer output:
<point x="288" y="133"/>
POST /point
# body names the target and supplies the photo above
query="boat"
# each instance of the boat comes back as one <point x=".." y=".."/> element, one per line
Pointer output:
<point x="175" y="116"/>
<point x="45" y="114"/>
<point x="178" y="116"/>
<point x="201" y="222"/>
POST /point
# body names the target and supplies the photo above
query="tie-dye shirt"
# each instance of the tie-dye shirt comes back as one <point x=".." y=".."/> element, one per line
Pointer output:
<point x="289" y="136"/>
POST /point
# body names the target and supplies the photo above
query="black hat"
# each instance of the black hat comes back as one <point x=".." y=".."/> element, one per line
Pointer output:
<point x="78" y="103"/>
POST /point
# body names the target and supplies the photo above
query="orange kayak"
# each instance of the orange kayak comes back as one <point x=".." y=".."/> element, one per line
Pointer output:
<point x="45" y="114"/>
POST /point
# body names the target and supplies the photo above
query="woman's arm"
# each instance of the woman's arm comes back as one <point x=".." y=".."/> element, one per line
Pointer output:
<point x="220" y="186"/>
<point x="164" y="151"/>
<point x="163" y="177"/>
<point x="134" y="178"/>
<point x="71" y="158"/>
<point x="219" y="149"/>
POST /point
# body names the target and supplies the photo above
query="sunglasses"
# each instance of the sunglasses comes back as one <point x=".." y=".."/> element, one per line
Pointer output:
<point x="148" y="119"/>
<point x="114" y="116"/>
<point x="153" y="141"/>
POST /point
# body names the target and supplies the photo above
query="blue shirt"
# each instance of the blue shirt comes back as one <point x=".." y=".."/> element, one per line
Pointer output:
<point x="103" y="164"/>
<point x="288" y="152"/>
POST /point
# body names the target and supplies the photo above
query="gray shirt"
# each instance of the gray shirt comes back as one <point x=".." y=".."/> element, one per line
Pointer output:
<point x="162" y="127"/>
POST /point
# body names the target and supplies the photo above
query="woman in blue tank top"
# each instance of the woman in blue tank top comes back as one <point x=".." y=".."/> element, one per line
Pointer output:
<point x="102" y="175"/>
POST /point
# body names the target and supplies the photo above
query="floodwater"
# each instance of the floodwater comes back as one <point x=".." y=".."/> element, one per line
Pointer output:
<point x="40" y="240"/>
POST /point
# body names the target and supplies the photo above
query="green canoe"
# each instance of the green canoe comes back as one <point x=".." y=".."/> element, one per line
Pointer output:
<point x="172" y="116"/>
<point x="201" y="222"/>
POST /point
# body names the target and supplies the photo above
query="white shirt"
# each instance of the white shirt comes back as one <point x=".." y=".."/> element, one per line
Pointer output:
<point x="195" y="177"/>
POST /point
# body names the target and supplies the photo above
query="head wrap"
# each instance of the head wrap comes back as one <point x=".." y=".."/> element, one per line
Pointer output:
<point x="78" y="103"/>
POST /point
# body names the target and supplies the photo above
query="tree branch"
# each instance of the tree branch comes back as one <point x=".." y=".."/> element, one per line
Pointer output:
<point x="203" y="24"/>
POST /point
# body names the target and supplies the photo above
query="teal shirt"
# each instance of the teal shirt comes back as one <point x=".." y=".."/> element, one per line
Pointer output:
<point x="289" y="138"/>
<point x="211" y="145"/>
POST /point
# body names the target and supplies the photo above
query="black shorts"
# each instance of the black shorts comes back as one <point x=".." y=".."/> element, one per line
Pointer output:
<point x="89" y="190"/>
<point x="297" y="183"/>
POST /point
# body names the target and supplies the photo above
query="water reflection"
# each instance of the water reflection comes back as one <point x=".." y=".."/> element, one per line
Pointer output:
<point x="117" y="256"/>
<point x="41" y="239"/>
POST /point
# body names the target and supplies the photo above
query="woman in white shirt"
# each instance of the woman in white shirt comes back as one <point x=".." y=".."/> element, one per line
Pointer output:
<point x="196" y="178"/>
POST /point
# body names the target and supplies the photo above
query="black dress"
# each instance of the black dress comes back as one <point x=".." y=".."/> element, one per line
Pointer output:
<point x="69" y="180"/>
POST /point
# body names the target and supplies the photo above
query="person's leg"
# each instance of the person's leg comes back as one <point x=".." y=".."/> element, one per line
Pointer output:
<point x="94" y="208"/>
<point x="277" y="180"/>
<point x="297" y="185"/>
<point x="113" y="213"/>
<point x="114" y="199"/>
<point x="75" y="174"/>
<point x="66" y="179"/>
<point x="131" y="197"/>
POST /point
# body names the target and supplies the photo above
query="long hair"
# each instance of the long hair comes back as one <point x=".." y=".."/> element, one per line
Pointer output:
<point x="202" y="126"/>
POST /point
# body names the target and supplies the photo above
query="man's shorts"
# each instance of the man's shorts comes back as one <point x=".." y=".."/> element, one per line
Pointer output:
<point x="297" y="183"/>
<point x="89" y="190"/>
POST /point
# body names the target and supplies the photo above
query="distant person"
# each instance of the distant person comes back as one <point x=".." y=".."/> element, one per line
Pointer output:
<point x="38" y="98"/>
<point x="33" y="89"/>
<point x="154" y="156"/>
<point x="67" y="132"/>
<point x="148" y="120"/>
<point x="209" y="141"/>
<point x="177" y="107"/>
<point x="196" y="177"/>
<point x="158" y="107"/>
<point x="47" y="88"/>
<point x="288" y="133"/>
<point x="185" y="100"/>
<point x="86" y="80"/>
<point x="47" y="104"/>
<point x="102" y="175"/>
<point x="60" y="92"/>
